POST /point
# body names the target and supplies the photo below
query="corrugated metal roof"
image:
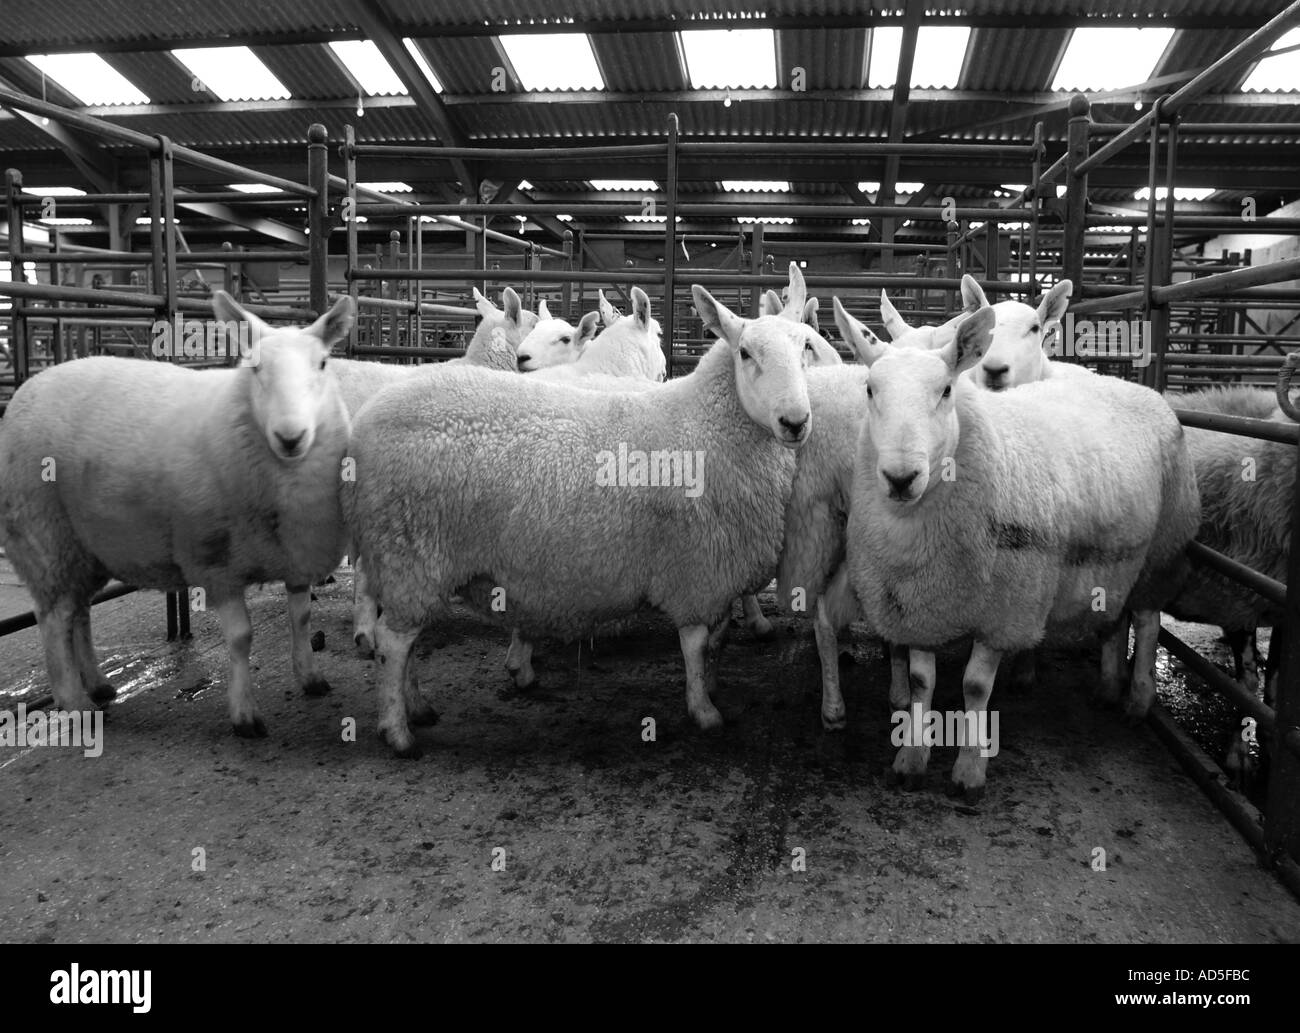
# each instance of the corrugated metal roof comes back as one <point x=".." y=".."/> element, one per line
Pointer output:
<point x="831" y="60"/>
<point x="27" y="77"/>
<point x="311" y="71"/>
<point x="160" y="77"/>
<point x="1014" y="60"/>
<point x="641" y="61"/>
<point x="470" y="65"/>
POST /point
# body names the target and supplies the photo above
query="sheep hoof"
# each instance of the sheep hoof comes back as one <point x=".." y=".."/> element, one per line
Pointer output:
<point x="522" y="682"/>
<point x="252" y="728"/>
<point x="423" y="716"/>
<point x="892" y="777"/>
<point x="315" y="686"/>
<point x="708" y="720"/>
<point x="410" y="750"/>
<point x="1135" y="713"/>
<point x="763" y="630"/>
<point x="103" y="693"/>
<point x="834" y="723"/>
<point x="365" y="645"/>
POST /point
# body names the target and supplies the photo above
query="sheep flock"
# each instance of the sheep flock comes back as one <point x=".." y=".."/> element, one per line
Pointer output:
<point x="939" y="486"/>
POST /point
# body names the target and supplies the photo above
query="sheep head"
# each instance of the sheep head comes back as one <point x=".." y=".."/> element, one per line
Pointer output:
<point x="769" y="355"/>
<point x="291" y="392"/>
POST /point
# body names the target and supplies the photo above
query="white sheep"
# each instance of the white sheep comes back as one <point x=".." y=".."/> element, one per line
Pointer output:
<point x="1016" y="354"/>
<point x="1011" y="517"/>
<point x="629" y="346"/>
<point x="493" y="346"/>
<point x="434" y="466"/>
<point x="1246" y="486"/>
<point x="167" y="477"/>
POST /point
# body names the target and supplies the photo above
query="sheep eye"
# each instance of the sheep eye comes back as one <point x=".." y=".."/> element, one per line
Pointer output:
<point x="870" y="393"/>
<point x="947" y="391"/>
<point x="1034" y="329"/>
<point x="565" y="340"/>
<point x="322" y="363"/>
<point x="744" y="354"/>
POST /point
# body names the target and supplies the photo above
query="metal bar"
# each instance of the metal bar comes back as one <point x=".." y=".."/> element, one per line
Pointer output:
<point x="1076" y="190"/>
<point x="189" y="258"/>
<point x="670" y="244"/>
<point x="653" y="150"/>
<point x="22" y="621"/>
<point x="1245" y="426"/>
<point x="1245" y="51"/>
<point x="318" y="215"/>
<point x="21" y="356"/>
<point x="61" y="293"/>
<point x="1252" y="276"/>
<point x="428" y="308"/>
<point x="720" y="210"/>
<point x="167" y="186"/>
<point x="1272" y="590"/>
<point x="1190" y="222"/>
<point x="1217" y="679"/>
<point x="1206" y="774"/>
<point x="1216" y="128"/>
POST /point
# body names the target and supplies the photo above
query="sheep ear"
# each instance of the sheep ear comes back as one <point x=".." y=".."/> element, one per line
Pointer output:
<point x="716" y="316"/>
<point x="972" y="294"/>
<point x="335" y="324"/>
<point x="824" y="353"/>
<point x="1053" y="306"/>
<point x="484" y="306"/>
<point x="641" y="306"/>
<point x="810" y="314"/>
<point x="797" y="294"/>
<point x="866" y="345"/>
<point x="512" y="305"/>
<point x="228" y="310"/>
<point x="607" y="312"/>
<point x="587" y="327"/>
<point x="542" y="311"/>
<point x="970" y="342"/>
<point x="770" y="305"/>
<point x="894" y="324"/>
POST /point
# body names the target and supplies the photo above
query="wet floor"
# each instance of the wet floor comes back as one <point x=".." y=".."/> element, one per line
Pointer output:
<point x="548" y="817"/>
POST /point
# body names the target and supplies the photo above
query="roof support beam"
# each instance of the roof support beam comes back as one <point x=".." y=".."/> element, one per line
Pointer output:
<point x="267" y="227"/>
<point x="897" y="121"/>
<point x="374" y="20"/>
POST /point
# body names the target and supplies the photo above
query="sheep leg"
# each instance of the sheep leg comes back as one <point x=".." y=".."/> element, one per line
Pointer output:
<point x="973" y="755"/>
<point x="519" y="661"/>
<point x="365" y="611"/>
<point x="1276" y="647"/>
<point x="419" y="711"/>
<point x="1114" y="657"/>
<point x="914" y="756"/>
<point x="99" y="688"/>
<point x="393" y="650"/>
<point x="1142" y="688"/>
<point x="836" y="607"/>
<point x="900" y="685"/>
<point x="695" y="647"/>
<point x="304" y="662"/>
<point x="58" y="633"/>
<point x="237" y="630"/>
<point x="760" y="627"/>
<point x="828" y="653"/>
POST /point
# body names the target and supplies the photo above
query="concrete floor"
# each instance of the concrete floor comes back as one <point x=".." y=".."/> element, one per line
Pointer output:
<point x="307" y="837"/>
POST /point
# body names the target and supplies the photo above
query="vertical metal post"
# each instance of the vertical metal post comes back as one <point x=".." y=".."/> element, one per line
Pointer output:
<point x="670" y="242"/>
<point x="1036" y="206"/>
<point x="22" y="357"/>
<point x="480" y="257"/>
<point x="350" y="211"/>
<point x="158" y="269"/>
<point x="1076" y="194"/>
<point x="418" y="225"/>
<point x="566" y="290"/>
<point x="1156" y="239"/>
<point x="950" y="265"/>
<point x="394" y="289"/>
<point x="164" y="229"/>
<point x="318" y="219"/>
<point x="755" y="268"/>
<point x="1165" y="263"/>
<point x="580" y="246"/>
<point x="228" y="272"/>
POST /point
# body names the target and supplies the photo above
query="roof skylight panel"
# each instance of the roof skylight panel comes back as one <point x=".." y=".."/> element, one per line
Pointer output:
<point x="1277" y="71"/>
<point x="368" y="67"/>
<point x="720" y="58"/>
<point x="940" y="52"/>
<point x="89" y="78"/>
<point x="554" y="61"/>
<point x="232" y="73"/>
<point x="1110" y="58"/>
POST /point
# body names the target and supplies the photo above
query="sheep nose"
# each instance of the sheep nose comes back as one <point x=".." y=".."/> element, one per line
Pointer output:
<point x="898" y="484"/>
<point x="794" y="426"/>
<point x="290" y="442"/>
<point x="523" y="358"/>
<point x="996" y="372"/>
